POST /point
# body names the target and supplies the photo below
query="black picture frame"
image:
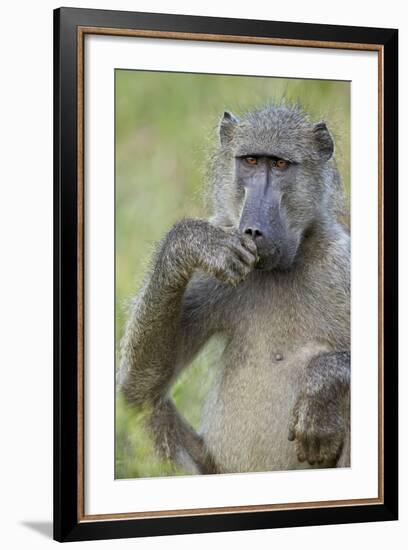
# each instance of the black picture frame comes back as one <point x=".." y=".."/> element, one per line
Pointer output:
<point x="68" y="525"/>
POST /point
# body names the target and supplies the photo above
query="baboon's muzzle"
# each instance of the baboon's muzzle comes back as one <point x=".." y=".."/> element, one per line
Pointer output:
<point x="264" y="220"/>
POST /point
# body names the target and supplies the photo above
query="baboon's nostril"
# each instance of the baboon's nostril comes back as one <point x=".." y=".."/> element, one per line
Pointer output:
<point x="253" y="232"/>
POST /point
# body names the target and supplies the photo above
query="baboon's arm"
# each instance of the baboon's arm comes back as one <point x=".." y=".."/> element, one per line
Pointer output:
<point x="175" y="313"/>
<point x="165" y="331"/>
<point x="320" y="424"/>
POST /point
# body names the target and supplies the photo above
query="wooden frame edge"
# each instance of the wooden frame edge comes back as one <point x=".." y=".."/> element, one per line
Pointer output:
<point x="187" y="512"/>
<point x="179" y="35"/>
<point x="80" y="271"/>
<point x="380" y="274"/>
<point x="81" y="32"/>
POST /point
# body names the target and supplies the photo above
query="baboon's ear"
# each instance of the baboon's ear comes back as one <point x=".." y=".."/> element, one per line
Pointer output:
<point x="227" y="125"/>
<point x="323" y="140"/>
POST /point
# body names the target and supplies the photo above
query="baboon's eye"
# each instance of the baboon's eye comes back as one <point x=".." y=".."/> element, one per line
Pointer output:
<point x="281" y="164"/>
<point x="251" y="160"/>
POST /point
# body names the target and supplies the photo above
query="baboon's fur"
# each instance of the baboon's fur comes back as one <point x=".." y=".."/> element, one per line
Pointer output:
<point x="281" y="400"/>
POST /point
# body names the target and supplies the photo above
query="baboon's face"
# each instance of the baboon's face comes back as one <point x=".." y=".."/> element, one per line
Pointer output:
<point x="278" y="159"/>
<point x="265" y="182"/>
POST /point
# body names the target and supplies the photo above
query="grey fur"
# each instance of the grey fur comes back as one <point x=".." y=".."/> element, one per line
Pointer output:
<point x="281" y="400"/>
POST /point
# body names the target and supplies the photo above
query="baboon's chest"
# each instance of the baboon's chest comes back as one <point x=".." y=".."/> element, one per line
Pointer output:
<point x="271" y="337"/>
<point x="273" y="323"/>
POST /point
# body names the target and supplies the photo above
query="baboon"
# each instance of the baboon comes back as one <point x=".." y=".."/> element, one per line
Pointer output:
<point x="269" y="273"/>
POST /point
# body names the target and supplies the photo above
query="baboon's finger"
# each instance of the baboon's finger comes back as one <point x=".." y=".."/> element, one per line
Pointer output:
<point x="314" y="450"/>
<point x="293" y="422"/>
<point x="233" y="272"/>
<point x="302" y="449"/>
<point x="227" y="278"/>
<point x="330" y="449"/>
<point x="248" y="243"/>
<point x="239" y="268"/>
<point x="243" y="254"/>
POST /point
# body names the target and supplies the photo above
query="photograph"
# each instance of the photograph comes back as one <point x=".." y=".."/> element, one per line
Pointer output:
<point x="225" y="271"/>
<point x="232" y="274"/>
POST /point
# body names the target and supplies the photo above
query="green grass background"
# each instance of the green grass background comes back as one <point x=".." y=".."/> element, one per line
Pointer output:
<point x="166" y="127"/>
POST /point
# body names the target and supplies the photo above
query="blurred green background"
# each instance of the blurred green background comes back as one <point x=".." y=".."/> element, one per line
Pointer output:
<point x="166" y="128"/>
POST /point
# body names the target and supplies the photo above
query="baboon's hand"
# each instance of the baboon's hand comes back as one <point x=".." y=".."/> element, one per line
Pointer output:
<point x="319" y="420"/>
<point x="227" y="255"/>
<point x="318" y="428"/>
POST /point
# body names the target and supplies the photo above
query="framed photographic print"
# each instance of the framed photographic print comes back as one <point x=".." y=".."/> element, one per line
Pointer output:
<point x="225" y="274"/>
